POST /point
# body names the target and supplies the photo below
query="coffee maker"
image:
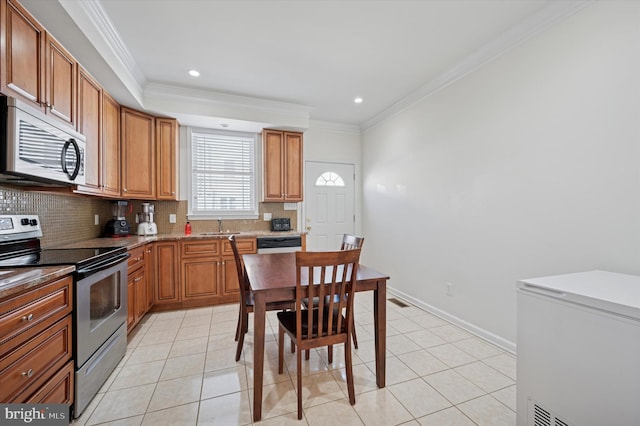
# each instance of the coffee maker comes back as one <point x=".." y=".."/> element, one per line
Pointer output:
<point x="118" y="226"/>
<point x="146" y="225"/>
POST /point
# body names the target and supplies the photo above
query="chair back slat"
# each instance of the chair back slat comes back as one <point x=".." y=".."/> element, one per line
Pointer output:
<point x="351" y="242"/>
<point x="330" y="278"/>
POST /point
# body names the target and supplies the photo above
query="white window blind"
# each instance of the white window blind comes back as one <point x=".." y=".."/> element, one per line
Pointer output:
<point x="223" y="179"/>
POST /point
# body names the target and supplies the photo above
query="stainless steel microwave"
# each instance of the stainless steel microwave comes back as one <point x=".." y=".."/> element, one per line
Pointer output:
<point x="36" y="148"/>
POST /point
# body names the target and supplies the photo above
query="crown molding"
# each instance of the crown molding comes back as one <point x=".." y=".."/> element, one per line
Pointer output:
<point x="174" y="92"/>
<point x="334" y="127"/>
<point x="535" y="24"/>
<point x="94" y="22"/>
<point x="208" y="103"/>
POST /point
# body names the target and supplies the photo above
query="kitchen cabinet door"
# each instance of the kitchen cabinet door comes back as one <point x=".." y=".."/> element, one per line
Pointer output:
<point x="292" y="167"/>
<point x="167" y="279"/>
<point x="167" y="153"/>
<point x="22" y="53"/>
<point x="283" y="159"/>
<point x="90" y="125"/>
<point x="273" y="152"/>
<point x="200" y="277"/>
<point x="150" y="272"/>
<point x="231" y="285"/>
<point x="110" y="146"/>
<point x="60" y="87"/>
<point x="140" y="283"/>
<point x="138" y="155"/>
<point x="230" y="277"/>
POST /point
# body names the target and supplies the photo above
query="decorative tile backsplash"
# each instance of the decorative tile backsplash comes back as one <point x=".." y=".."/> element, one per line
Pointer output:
<point x="67" y="219"/>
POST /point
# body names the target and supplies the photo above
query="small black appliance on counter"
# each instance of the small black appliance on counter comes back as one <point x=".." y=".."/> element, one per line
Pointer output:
<point x="118" y="226"/>
<point x="281" y="224"/>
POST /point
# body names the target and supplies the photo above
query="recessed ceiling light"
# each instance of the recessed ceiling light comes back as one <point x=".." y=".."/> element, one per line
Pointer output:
<point x="194" y="73"/>
<point x="224" y="125"/>
<point x="358" y="100"/>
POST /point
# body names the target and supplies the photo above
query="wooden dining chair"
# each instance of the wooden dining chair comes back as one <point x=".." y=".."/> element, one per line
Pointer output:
<point x="331" y="278"/>
<point x="246" y="299"/>
<point x="349" y="242"/>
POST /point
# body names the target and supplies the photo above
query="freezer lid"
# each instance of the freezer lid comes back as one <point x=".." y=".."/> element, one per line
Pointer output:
<point x="607" y="291"/>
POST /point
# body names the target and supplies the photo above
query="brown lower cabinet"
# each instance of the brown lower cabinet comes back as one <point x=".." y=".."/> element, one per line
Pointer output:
<point x="197" y="272"/>
<point x="36" y="345"/>
<point x="139" y="285"/>
<point x="167" y="289"/>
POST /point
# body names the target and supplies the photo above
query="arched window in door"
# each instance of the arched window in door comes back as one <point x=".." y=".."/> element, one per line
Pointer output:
<point x="329" y="179"/>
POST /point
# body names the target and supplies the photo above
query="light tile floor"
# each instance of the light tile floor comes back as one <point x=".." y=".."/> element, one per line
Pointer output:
<point x="179" y="369"/>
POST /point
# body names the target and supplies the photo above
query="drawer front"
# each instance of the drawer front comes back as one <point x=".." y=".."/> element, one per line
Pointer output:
<point x="29" y="366"/>
<point x="245" y="246"/>
<point x="58" y="389"/>
<point x="137" y="258"/>
<point x="50" y="302"/>
<point x="201" y="248"/>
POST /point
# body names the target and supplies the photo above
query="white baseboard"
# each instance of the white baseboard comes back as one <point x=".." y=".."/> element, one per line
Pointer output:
<point x="471" y="328"/>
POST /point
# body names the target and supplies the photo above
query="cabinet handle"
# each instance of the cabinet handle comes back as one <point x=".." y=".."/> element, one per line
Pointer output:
<point x="125" y="190"/>
<point x="27" y="373"/>
<point x="173" y="192"/>
<point x="27" y="318"/>
<point x="137" y="279"/>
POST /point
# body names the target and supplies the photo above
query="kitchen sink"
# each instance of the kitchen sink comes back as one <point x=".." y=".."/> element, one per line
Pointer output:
<point x="213" y="234"/>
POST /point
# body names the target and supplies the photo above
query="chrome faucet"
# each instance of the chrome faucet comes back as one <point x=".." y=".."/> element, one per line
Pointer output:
<point x="220" y="225"/>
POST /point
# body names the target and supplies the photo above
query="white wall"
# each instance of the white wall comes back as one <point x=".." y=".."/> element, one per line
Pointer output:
<point x="337" y="144"/>
<point x="529" y="166"/>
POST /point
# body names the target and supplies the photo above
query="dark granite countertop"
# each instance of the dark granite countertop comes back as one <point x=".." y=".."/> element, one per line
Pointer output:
<point x="134" y="241"/>
<point x="16" y="280"/>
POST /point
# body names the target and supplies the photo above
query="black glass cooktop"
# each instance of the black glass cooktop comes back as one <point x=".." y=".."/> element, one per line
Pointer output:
<point x="53" y="257"/>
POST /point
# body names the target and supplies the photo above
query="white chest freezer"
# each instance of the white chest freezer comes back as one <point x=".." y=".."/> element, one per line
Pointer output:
<point x="578" y="350"/>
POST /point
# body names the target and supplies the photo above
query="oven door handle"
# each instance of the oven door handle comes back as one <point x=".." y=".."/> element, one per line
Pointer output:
<point x="102" y="265"/>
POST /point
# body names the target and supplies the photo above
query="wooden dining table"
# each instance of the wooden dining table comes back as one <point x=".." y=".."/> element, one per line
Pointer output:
<point x="272" y="278"/>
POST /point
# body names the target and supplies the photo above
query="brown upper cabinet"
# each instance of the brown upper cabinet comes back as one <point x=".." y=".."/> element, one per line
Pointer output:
<point x="60" y="88"/>
<point x="99" y="122"/>
<point x="22" y="53"/>
<point x="90" y="125"/>
<point x="110" y="146"/>
<point x="167" y="156"/>
<point x="129" y="154"/>
<point x="138" y="168"/>
<point x="35" y="67"/>
<point x="282" y="153"/>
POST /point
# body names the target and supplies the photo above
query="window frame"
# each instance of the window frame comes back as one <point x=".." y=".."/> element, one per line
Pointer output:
<point x="212" y="214"/>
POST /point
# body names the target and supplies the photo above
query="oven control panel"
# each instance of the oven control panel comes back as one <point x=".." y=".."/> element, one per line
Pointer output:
<point x="14" y="227"/>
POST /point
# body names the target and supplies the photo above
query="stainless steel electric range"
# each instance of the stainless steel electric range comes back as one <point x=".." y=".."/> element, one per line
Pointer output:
<point x="100" y="299"/>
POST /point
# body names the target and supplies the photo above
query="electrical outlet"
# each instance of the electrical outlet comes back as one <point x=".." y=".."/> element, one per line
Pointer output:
<point x="96" y="219"/>
<point x="267" y="216"/>
<point x="449" y="289"/>
<point x="172" y="218"/>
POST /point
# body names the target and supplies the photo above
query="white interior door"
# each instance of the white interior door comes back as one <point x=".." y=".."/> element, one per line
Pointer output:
<point x="329" y="204"/>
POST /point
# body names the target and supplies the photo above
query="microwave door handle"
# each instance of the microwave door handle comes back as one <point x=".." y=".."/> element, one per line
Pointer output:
<point x="63" y="158"/>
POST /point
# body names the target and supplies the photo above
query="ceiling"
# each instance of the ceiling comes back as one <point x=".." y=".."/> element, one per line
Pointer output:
<point x="285" y="62"/>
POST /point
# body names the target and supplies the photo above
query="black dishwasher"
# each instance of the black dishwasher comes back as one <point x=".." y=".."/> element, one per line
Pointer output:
<point x="283" y="244"/>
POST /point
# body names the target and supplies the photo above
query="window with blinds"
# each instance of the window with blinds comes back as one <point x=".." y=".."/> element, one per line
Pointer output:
<point x="223" y="175"/>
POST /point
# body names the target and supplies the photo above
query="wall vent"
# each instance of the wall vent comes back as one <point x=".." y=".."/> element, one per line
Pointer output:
<point x="398" y="302"/>
<point x="540" y="416"/>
